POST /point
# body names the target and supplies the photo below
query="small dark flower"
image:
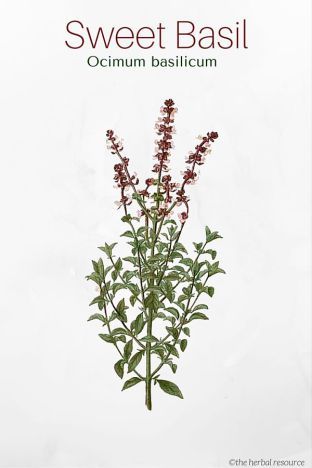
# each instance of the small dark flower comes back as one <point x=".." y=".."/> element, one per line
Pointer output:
<point x="169" y="103"/>
<point x="183" y="217"/>
<point x="212" y="136"/>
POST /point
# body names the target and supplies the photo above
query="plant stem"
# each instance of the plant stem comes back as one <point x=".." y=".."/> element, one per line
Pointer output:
<point x="148" y="380"/>
<point x="140" y="265"/>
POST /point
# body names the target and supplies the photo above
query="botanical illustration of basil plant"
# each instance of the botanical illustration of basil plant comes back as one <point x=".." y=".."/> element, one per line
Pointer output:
<point x="148" y="299"/>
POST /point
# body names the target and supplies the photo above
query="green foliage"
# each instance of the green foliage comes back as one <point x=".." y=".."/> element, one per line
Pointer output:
<point x="131" y="382"/>
<point x="119" y="368"/>
<point x="158" y="281"/>
<point x="170" y="387"/>
<point x="97" y="317"/>
<point x="183" y="344"/>
<point x="135" y="361"/>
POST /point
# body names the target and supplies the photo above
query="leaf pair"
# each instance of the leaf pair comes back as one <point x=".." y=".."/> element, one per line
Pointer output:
<point x="167" y="386"/>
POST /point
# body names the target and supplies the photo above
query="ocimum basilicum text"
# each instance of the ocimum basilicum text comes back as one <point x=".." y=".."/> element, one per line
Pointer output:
<point x="154" y="62"/>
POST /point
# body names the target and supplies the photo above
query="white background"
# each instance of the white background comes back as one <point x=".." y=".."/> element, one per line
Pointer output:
<point x="245" y="373"/>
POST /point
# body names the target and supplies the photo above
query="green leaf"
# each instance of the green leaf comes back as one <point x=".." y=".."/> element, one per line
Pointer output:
<point x="121" y="308"/>
<point x="168" y="290"/>
<point x="199" y="287"/>
<point x="119" y="368"/>
<point x="200" y="307"/>
<point x="135" y="361"/>
<point x="175" y="255"/>
<point x="170" y="387"/>
<point x="95" y="266"/>
<point x="207" y="231"/>
<point x="187" y="291"/>
<point x="163" y="316"/>
<point x="198" y="315"/>
<point x="210" y="291"/>
<point x="139" y="324"/>
<point x="134" y="288"/>
<point x="118" y="264"/>
<point x="132" y="260"/>
<point x="180" y="247"/>
<point x="187" y="261"/>
<point x="214" y="269"/>
<point x="183" y="344"/>
<point x="170" y="319"/>
<point x="107" y="338"/>
<point x="186" y="330"/>
<point x="198" y="246"/>
<point x="156" y="258"/>
<point x="97" y="317"/>
<point x="180" y="305"/>
<point x="108" y="249"/>
<point x="141" y="231"/>
<point x="120" y="331"/>
<point x="107" y="270"/>
<point x="128" y="350"/>
<point x="127" y="275"/>
<point x="173" y="276"/>
<point x="173" y="311"/>
<point x="173" y="331"/>
<point x="117" y="286"/>
<point x="201" y="274"/>
<point x="96" y="300"/>
<point x="152" y="300"/>
<point x="181" y="298"/>
<point x="101" y="268"/>
<point x="127" y="234"/>
<point x="149" y="339"/>
<point x="126" y="218"/>
<point x="133" y="300"/>
<point x="172" y="349"/>
<point x="213" y="253"/>
<point x="172" y="366"/>
<point x="212" y="236"/>
<point x="95" y="277"/>
<point x="131" y="382"/>
<point x="160" y="352"/>
<point x="121" y="338"/>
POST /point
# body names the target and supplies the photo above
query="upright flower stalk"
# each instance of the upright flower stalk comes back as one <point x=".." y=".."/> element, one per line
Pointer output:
<point x="158" y="281"/>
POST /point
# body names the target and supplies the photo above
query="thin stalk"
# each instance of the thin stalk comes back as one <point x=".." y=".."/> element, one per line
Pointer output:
<point x="163" y="219"/>
<point x="148" y="379"/>
<point x="142" y="205"/>
<point x="139" y="255"/>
